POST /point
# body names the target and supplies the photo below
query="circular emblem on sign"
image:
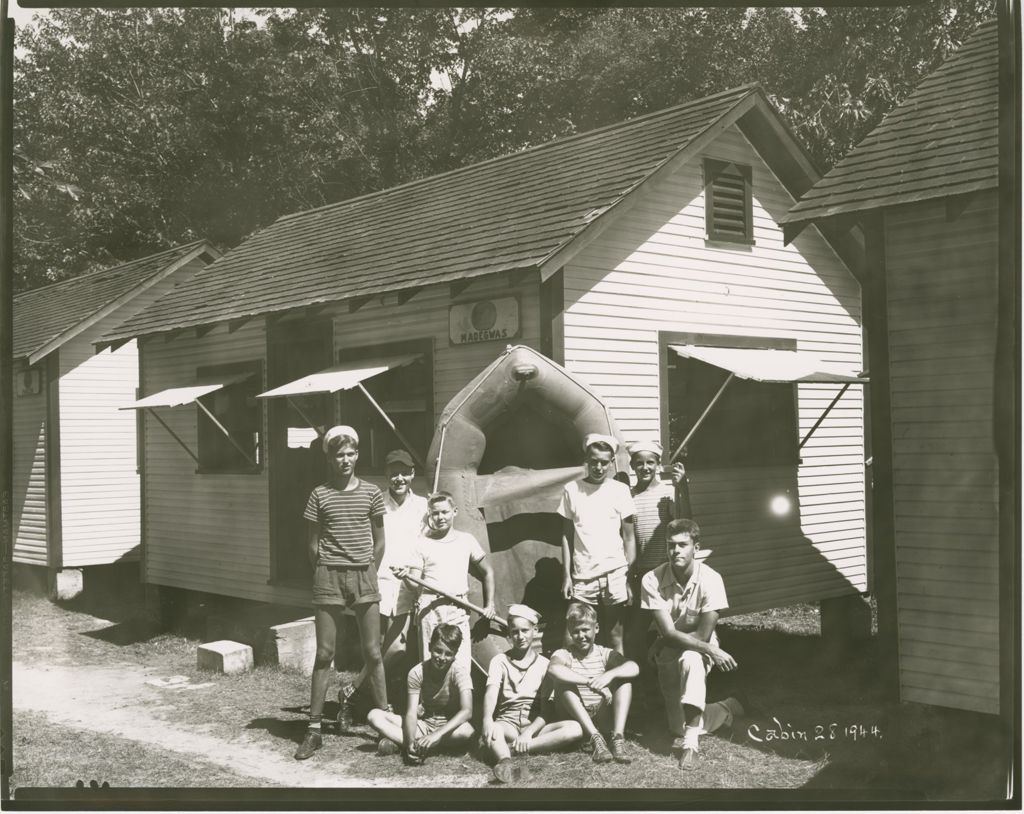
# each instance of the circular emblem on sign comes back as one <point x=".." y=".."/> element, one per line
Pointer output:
<point x="484" y="315"/>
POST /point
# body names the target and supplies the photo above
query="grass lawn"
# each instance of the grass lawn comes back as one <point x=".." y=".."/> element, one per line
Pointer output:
<point x="824" y="727"/>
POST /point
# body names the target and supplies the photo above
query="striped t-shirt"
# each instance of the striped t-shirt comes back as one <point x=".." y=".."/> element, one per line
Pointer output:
<point x="654" y="510"/>
<point x="596" y="662"/>
<point x="344" y="519"/>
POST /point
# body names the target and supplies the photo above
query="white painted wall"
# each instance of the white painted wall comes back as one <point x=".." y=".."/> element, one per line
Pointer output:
<point x="653" y="271"/>
<point x="29" y="432"/>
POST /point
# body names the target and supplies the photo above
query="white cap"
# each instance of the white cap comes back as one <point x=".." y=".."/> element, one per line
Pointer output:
<point x="524" y="612"/>
<point x="645" y="445"/>
<point x="341" y="429"/>
<point x="595" y="437"/>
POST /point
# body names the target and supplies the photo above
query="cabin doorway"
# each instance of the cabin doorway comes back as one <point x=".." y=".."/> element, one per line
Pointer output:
<point x="296" y="460"/>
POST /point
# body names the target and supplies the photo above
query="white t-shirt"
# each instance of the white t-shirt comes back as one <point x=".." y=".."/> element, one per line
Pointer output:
<point x="445" y="562"/>
<point x="597" y="511"/>
<point x="704" y="591"/>
<point x="403" y="526"/>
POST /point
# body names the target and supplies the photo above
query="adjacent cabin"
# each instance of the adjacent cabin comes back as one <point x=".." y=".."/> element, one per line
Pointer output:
<point x="646" y="258"/>
<point x="76" y="481"/>
<point x="925" y="186"/>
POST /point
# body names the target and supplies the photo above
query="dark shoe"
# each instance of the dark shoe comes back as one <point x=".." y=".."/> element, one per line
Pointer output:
<point x="688" y="759"/>
<point x="386" y="746"/>
<point x="504" y="771"/>
<point x="412" y="760"/>
<point x="677" y="745"/>
<point x="311" y="743"/>
<point x="618" y="749"/>
<point x="600" y="750"/>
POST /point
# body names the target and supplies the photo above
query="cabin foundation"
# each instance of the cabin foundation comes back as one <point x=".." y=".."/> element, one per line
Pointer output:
<point x="64" y="584"/>
<point x="227" y="657"/>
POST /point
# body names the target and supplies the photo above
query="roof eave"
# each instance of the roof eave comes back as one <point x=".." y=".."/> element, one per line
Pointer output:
<point x="82" y="325"/>
<point x="568" y="249"/>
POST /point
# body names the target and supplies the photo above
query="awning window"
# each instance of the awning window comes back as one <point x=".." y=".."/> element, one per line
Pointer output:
<point x="769" y="365"/>
<point x="339" y="377"/>
<point x="180" y="396"/>
<point x="347" y="376"/>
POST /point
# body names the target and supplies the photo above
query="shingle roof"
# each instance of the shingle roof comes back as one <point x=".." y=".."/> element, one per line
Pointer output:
<point x="504" y="214"/>
<point x="942" y="140"/>
<point x="43" y="314"/>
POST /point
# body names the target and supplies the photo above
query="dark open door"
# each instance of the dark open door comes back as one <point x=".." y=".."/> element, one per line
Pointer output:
<point x="295" y="459"/>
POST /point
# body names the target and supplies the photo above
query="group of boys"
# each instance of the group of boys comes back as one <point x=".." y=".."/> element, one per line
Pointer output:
<point x="625" y="559"/>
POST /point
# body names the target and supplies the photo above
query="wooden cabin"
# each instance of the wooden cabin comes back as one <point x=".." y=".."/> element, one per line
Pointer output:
<point x="925" y="188"/>
<point x="645" y="257"/>
<point x="76" y="482"/>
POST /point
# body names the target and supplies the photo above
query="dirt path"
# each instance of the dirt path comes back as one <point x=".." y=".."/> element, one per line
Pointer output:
<point x="117" y="700"/>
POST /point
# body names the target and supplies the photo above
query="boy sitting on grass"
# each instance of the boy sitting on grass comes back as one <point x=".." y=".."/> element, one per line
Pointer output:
<point x="598" y="543"/>
<point x="517" y="690"/>
<point x="592" y="684"/>
<point x="443" y="556"/>
<point x="438" y="706"/>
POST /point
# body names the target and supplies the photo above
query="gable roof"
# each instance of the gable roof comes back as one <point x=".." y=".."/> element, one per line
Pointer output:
<point x="47" y="317"/>
<point x="526" y="210"/>
<point x="942" y="140"/>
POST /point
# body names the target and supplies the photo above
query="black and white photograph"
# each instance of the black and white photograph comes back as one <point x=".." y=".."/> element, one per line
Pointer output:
<point x="585" y="406"/>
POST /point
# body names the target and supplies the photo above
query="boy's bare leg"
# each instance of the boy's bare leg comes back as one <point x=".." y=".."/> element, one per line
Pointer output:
<point x="368" y="617"/>
<point x="556" y="735"/>
<point x="622" y="696"/>
<point x="387" y="724"/>
<point x="573" y="704"/>
<point x="461" y="736"/>
<point x="325" y="623"/>
<point x="501" y="736"/>
<point x="615" y="616"/>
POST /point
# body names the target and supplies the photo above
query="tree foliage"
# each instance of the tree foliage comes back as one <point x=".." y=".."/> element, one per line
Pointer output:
<point x="136" y="129"/>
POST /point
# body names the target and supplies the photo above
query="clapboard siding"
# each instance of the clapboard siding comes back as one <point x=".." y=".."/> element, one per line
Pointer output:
<point x="426" y="317"/>
<point x="204" y="532"/>
<point x="653" y="271"/>
<point x="221" y="544"/>
<point x="98" y="475"/>
<point x="29" y="473"/>
<point x="941" y="276"/>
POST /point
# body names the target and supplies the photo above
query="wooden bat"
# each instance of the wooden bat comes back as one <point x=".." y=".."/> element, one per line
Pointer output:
<point x="462" y="603"/>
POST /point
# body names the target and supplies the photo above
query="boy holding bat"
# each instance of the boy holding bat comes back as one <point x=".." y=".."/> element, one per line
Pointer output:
<point x="442" y="557"/>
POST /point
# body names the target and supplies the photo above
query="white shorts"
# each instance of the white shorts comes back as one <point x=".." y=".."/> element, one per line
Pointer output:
<point x="607" y="589"/>
<point x="395" y="597"/>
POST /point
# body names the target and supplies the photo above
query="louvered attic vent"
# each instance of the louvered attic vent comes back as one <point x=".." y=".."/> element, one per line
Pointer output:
<point x="728" y="202"/>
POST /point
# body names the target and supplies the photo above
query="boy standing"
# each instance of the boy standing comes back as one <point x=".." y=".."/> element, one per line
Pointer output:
<point x="686" y="597"/>
<point x="404" y="519"/>
<point x="345" y="544"/>
<point x="592" y="684"/>
<point x="598" y="544"/>
<point x="443" y="556"/>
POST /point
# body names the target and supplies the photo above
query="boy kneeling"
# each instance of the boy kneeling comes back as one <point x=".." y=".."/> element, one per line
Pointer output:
<point x="592" y="684"/>
<point x="438" y="706"/>
<point x="517" y="689"/>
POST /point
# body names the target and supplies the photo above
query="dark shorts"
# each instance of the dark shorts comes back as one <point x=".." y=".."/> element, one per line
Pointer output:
<point x="345" y="585"/>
